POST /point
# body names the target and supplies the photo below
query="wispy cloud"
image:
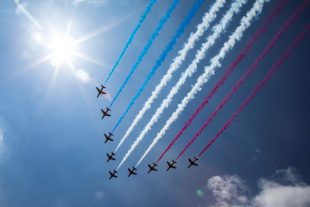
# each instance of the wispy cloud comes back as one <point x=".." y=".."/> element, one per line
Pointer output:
<point x="95" y="2"/>
<point x="275" y="194"/>
<point x="1" y="140"/>
<point x="3" y="132"/>
<point x="227" y="191"/>
<point x="290" y="191"/>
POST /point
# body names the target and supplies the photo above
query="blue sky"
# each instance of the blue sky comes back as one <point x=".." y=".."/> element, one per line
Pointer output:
<point x="52" y="151"/>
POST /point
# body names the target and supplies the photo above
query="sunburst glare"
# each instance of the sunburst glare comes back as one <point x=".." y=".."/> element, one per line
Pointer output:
<point x="62" y="49"/>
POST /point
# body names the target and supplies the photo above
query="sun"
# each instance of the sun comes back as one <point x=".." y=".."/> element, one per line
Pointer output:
<point x="62" y="49"/>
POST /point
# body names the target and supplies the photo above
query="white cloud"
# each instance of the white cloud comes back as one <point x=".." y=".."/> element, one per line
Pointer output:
<point x="231" y="191"/>
<point x="274" y="194"/>
<point x="227" y="191"/>
<point x="288" y="175"/>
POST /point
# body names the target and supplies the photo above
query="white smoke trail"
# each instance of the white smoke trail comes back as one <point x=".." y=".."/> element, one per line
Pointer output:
<point x="190" y="43"/>
<point x="210" y="69"/>
<point x="192" y="68"/>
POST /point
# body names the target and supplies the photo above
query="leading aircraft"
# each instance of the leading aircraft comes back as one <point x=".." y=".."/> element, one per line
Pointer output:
<point x="132" y="172"/>
<point x="152" y="168"/>
<point x="171" y="165"/>
<point x="100" y="91"/>
<point x="110" y="156"/>
<point x="108" y="137"/>
<point x="113" y="174"/>
<point x="193" y="162"/>
<point x="105" y="112"/>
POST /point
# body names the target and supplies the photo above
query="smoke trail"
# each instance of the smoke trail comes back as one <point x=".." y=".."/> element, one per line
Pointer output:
<point x="192" y="68"/>
<point x="169" y="47"/>
<point x="132" y="35"/>
<point x="162" y="57"/>
<point x="246" y="75"/>
<point x="209" y="70"/>
<point x="257" y="88"/>
<point x="177" y="61"/>
<point x="146" y="48"/>
<point x="227" y="73"/>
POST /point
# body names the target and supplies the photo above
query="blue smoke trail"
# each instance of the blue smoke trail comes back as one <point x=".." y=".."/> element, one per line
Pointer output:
<point x="141" y="20"/>
<point x="146" y="48"/>
<point x="162" y="57"/>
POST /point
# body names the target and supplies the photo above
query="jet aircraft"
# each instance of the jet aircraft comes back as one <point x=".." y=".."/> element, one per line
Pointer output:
<point x="108" y="137"/>
<point x="132" y="172"/>
<point x="152" y="168"/>
<point x="110" y="156"/>
<point x="171" y="165"/>
<point x="113" y="174"/>
<point x="193" y="162"/>
<point x="100" y="91"/>
<point x="105" y="112"/>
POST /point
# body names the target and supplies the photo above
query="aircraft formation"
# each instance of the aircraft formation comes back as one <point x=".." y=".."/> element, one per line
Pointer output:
<point x="152" y="167"/>
<point x="215" y="62"/>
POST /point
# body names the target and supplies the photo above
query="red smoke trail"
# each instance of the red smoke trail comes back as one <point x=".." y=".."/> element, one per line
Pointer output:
<point x="247" y="73"/>
<point x="258" y="87"/>
<point x="231" y="68"/>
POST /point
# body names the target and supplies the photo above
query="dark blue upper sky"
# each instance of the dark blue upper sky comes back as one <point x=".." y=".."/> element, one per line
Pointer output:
<point x="52" y="151"/>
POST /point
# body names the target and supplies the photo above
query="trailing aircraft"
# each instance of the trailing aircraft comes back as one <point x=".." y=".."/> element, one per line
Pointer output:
<point x="193" y="162"/>
<point x="171" y="165"/>
<point x="113" y="174"/>
<point x="108" y="137"/>
<point x="132" y="172"/>
<point x="152" y="168"/>
<point x="110" y="156"/>
<point x="100" y="91"/>
<point x="105" y="112"/>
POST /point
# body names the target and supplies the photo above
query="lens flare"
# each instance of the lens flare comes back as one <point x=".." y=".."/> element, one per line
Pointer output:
<point x="82" y="75"/>
<point x="200" y="193"/>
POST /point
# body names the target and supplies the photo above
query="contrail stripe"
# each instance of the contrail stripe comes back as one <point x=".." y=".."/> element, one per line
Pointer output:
<point x="257" y="88"/>
<point x="210" y="69"/>
<point x="218" y="29"/>
<point x="169" y="47"/>
<point x="132" y="36"/>
<point x="162" y="57"/>
<point x="175" y="65"/>
<point x="147" y="47"/>
<point x="227" y="73"/>
<point x="246" y="75"/>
